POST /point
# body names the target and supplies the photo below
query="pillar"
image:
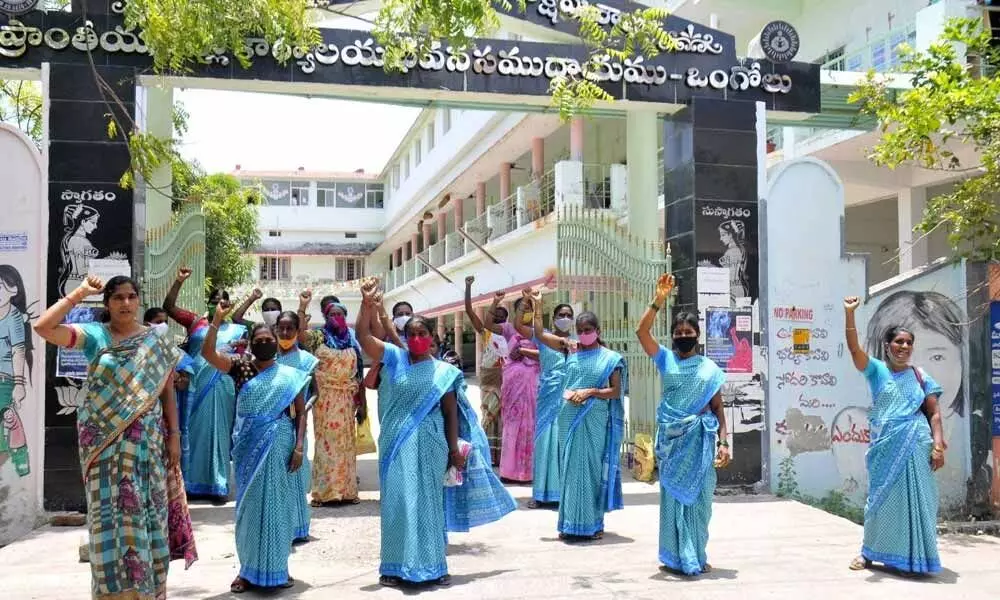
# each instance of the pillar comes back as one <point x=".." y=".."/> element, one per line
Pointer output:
<point x="441" y="225"/>
<point x="576" y="139"/>
<point x="156" y="112"/>
<point x="440" y="327"/>
<point x="643" y="176"/>
<point x="538" y="158"/>
<point x="427" y="234"/>
<point x="910" y="205"/>
<point x="505" y="180"/>
<point x="459" y="324"/>
<point x="481" y="191"/>
<point x="485" y="318"/>
<point x="459" y="212"/>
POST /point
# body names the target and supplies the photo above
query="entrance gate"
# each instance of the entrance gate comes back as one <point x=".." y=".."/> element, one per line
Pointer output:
<point x="71" y="51"/>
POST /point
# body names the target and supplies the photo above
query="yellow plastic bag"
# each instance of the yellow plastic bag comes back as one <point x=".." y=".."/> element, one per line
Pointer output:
<point x="644" y="459"/>
<point x="365" y="442"/>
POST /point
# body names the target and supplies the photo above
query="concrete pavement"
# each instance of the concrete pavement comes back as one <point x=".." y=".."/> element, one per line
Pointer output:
<point x="761" y="547"/>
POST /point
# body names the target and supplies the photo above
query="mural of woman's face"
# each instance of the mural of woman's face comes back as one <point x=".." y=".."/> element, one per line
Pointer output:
<point x="725" y="237"/>
<point x="942" y="359"/>
<point x="6" y="293"/>
<point x="89" y="225"/>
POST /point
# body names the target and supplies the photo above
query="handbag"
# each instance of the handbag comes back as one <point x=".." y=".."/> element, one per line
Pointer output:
<point x="365" y="441"/>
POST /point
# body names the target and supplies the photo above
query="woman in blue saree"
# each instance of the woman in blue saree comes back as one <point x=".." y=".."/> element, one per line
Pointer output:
<point x="553" y="348"/>
<point x="591" y="427"/>
<point x="288" y="327"/>
<point x="212" y="398"/>
<point x="423" y="412"/>
<point x="125" y="454"/>
<point x="267" y="452"/>
<point x="690" y="425"/>
<point x="907" y="446"/>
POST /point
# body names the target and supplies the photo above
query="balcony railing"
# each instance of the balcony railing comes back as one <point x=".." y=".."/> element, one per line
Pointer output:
<point x="454" y="245"/>
<point x="597" y="186"/>
<point x="881" y="54"/>
<point x="421" y="267"/>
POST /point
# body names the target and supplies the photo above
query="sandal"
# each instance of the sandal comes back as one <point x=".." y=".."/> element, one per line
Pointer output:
<point x="443" y="581"/>
<point x="316" y="504"/>
<point x="597" y="536"/>
<point x="860" y="563"/>
<point x="533" y="504"/>
<point x="239" y="585"/>
<point x="288" y="584"/>
<point x="353" y="501"/>
<point x="390" y="581"/>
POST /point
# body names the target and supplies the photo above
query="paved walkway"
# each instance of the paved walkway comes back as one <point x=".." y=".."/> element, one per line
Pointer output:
<point x="761" y="547"/>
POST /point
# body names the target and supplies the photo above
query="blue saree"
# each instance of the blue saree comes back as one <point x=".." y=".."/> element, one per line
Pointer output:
<point x="590" y="438"/>
<point x="685" y="451"/>
<point x="901" y="511"/>
<point x="551" y="385"/>
<point x="413" y="457"/>
<point x="305" y="362"/>
<point x="210" y="417"/>
<point x="263" y="442"/>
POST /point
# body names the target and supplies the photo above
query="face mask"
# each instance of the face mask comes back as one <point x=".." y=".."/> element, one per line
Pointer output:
<point x="528" y="318"/>
<point x="563" y="324"/>
<point x="270" y="316"/>
<point x="685" y="344"/>
<point x="419" y="345"/>
<point x="338" y="322"/>
<point x="286" y="344"/>
<point x="264" y="350"/>
<point x="161" y="329"/>
<point x="401" y="321"/>
<point x="588" y="339"/>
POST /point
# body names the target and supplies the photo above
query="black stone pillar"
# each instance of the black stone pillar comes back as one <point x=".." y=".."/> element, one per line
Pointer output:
<point x="711" y="201"/>
<point x="90" y="217"/>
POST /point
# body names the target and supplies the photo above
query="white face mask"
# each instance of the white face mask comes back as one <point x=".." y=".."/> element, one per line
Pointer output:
<point x="270" y="317"/>
<point x="563" y="324"/>
<point x="401" y="321"/>
<point x="161" y="329"/>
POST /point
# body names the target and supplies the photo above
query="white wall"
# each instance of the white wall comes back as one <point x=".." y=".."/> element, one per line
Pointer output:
<point x="871" y="229"/>
<point x="23" y="240"/>
<point x="524" y="255"/>
<point x="814" y="400"/>
<point x="826" y="26"/>
<point x="332" y="236"/>
<point x="315" y="218"/>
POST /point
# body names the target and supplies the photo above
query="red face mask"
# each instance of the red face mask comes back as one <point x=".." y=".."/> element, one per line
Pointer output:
<point x="419" y="345"/>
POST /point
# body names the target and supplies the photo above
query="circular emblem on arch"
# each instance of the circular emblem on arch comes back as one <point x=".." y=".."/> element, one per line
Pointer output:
<point x="17" y="7"/>
<point x="779" y="41"/>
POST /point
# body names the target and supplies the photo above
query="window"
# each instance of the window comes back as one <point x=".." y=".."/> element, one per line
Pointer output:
<point x="349" y="269"/>
<point x="300" y="196"/>
<point x="350" y="235"/>
<point x="273" y="233"/>
<point x="445" y="120"/>
<point x="276" y="193"/>
<point x="406" y="167"/>
<point x="395" y="176"/>
<point x="350" y="195"/>
<point x="417" y="152"/>
<point x="430" y="137"/>
<point x="326" y="195"/>
<point x="275" y="268"/>
<point x="833" y="60"/>
<point x="375" y="193"/>
<point x="515" y="37"/>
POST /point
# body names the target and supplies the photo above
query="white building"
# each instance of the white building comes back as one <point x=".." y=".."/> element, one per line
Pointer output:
<point x="316" y="231"/>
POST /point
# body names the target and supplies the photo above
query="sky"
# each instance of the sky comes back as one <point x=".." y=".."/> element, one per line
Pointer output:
<point x="282" y="133"/>
<point x="276" y="132"/>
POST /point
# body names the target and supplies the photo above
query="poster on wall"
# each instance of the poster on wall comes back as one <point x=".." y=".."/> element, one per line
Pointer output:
<point x="72" y="364"/>
<point x="726" y="234"/>
<point x="995" y="364"/>
<point x="729" y="339"/>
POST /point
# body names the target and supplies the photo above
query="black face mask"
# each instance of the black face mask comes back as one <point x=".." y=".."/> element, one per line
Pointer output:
<point x="685" y="344"/>
<point x="264" y="349"/>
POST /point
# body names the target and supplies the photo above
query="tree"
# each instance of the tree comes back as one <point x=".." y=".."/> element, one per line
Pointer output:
<point x="952" y="103"/>
<point x="21" y="105"/>
<point x="230" y="225"/>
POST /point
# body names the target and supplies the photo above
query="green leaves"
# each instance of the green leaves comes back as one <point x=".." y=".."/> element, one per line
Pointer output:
<point x="21" y="106"/>
<point x="230" y="225"/>
<point x="951" y="111"/>
<point x="182" y="33"/>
